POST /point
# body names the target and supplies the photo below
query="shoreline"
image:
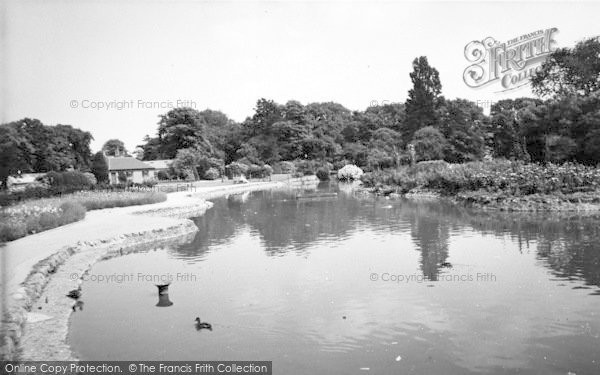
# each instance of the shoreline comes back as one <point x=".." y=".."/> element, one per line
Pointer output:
<point x="38" y="330"/>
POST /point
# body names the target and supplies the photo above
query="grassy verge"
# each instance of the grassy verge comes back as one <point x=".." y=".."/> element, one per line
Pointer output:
<point x="498" y="183"/>
<point x="37" y="215"/>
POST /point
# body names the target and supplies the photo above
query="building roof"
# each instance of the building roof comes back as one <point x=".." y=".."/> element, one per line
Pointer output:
<point x="159" y="164"/>
<point x="126" y="163"/>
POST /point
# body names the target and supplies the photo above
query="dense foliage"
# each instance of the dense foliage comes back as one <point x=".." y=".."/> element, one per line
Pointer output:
<point x="513" y="177"/>
<point x="563" y="125"/>
<point x="30" y="146"/>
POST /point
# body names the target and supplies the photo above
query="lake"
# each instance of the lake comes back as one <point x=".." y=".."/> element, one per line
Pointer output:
<point x="357" y="285"/>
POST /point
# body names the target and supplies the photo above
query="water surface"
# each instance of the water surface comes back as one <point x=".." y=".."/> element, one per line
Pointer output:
<point x="348" y="285"/>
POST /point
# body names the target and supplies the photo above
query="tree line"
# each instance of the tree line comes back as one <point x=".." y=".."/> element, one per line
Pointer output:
<point x="561" y="124"/>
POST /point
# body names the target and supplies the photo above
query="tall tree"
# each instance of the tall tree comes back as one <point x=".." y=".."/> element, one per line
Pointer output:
<point x="182" y="128"/>
<point x="423" y="99"/>
<point x="114" y="147"/>
<point x="462" y="122"/>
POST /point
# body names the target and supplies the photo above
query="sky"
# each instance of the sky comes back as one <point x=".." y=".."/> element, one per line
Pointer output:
<point x="63" y="60"/>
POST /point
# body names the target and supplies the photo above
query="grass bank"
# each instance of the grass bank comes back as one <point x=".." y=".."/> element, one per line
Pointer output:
<point x="37" y="215"/>
<point x="498" y="184"/>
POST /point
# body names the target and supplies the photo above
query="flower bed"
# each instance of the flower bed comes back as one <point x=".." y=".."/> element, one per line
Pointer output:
<point x="94" y="200"/>
<point x="37" y="215"/>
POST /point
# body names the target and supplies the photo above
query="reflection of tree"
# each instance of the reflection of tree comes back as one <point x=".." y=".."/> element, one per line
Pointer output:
<point x="217" y="225"/>
<point x="431" y="236"/>
<point x="568" y="244"/>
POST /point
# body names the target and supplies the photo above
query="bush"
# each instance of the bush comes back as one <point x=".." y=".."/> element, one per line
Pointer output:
<point x="235" y="169"/>
<point x="99" y="167"/>
<point x="514" y="178"/>
<point x="68" y="182"/>
<point x="305" y="168"/>
<point x="286" y="167"/>
<point x="349" y="172"/>
<point x="267" y="170"/>
<point x="31" y="192"/>
<point x="211" y="174"/>
<point x="323" y="174"/>
<point x="91" y="178"/>
<point x="162" y="175"/>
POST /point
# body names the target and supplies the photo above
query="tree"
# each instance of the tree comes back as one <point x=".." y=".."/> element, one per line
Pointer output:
<point x="182" y="128"/>
<point x="15" y="152"/>
<point x="186" y="162"/>
<point x="462" y="123"/>
<point x="423" y="99"/>
<point x="151" y="148"/>
<point x="99" y="167"/>
<point x="385" y="148"/>
<point x="114" y="147"/>
<point x="391" y="116"/>
<point x="559" y="148"/>
<point x="29" y="145"/>
<point x="430" y="144"/>
<point x="290" y="136"/>
<point x="266" y="113"/>
<point x="570" y="71"/>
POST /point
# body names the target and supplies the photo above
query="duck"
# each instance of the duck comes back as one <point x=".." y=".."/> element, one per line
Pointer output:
<point x="75" y="294"/>
<point x="202" y="325"/>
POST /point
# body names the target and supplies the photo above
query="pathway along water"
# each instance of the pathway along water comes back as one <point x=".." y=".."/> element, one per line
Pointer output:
<point x="340" y="284"/>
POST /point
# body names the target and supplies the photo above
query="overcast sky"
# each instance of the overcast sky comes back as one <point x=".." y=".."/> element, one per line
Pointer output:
<point x="63" y="54"/>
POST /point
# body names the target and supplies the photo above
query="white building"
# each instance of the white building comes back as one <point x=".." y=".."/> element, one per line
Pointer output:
<point x="131" y="170"/>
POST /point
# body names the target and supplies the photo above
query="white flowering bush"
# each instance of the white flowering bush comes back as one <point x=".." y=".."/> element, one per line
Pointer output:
<point x="349" y="172"/>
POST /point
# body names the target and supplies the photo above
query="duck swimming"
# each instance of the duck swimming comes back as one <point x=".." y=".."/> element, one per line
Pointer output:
<point x="75" y="294"/>
<point x="202" y="325"/>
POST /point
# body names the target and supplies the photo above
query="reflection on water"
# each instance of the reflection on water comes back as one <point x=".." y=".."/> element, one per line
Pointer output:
<point x="334" y="285"/>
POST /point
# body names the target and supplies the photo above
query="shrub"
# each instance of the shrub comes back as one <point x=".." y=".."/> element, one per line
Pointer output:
<point x="514" y="178"/>
<point x="99" y="167"/>
<point x="67" y="182"/>
<point x="254" y="171"/>
<point x="91" y="178"/>
<point x="162" y="175"/>
<point x="287" y="167"/>
<point x="305" y="167"/>
<point x="267" y="170"/>
<point x="211" y="174"/>
<point x="430" y="143"/>
<point x="235" y="169"/>
<point x="31" y="192"/>
<point x="323" y="174"/>
<point x="349" y="172"/>
<point x="149" y="183"/>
